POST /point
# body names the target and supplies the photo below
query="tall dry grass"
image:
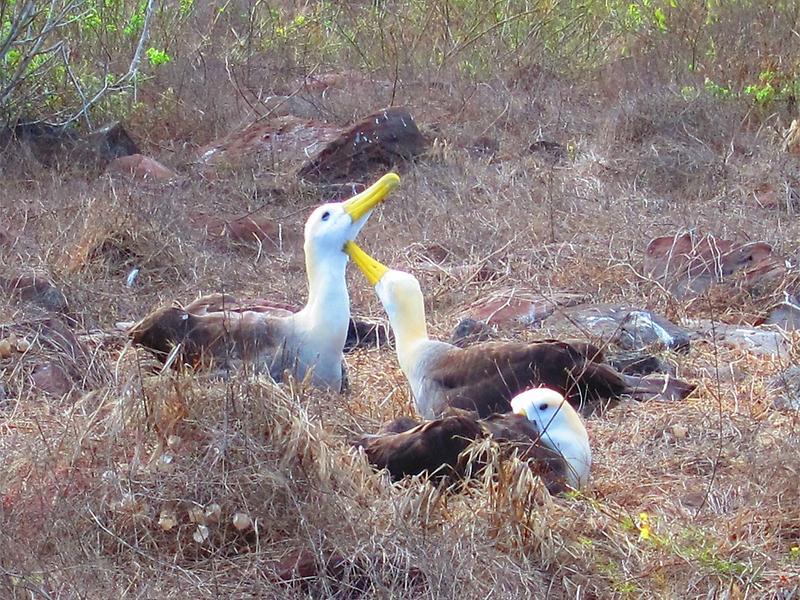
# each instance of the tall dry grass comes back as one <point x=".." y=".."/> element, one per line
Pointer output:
<point x="92" y="480"/>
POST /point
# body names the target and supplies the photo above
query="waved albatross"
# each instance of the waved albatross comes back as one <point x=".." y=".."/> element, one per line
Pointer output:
<point x="485" y="377"/>
<point x="307" y="343"/>
<point x="543" y="428"/>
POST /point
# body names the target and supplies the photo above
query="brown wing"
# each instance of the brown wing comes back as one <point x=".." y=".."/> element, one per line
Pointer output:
<point x="485" y="377"/>
<point x="434" y="447"/>
<point x="516" y="433"/>
<point x="217" y="302"/>
<point x="208" y="338"/>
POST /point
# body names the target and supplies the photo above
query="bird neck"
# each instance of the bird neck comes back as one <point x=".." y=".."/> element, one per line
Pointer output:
<point x="327" y="311"/>
<point x="574" y="447"/>
<point x="410" y="333"/>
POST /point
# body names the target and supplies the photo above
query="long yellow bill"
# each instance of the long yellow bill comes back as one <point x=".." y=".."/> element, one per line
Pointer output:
<point x="361" y="204"/>
<point x="371" y="268"/>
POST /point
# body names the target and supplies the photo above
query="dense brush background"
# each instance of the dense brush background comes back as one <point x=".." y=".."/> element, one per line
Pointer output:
<point x="672" y="116"/>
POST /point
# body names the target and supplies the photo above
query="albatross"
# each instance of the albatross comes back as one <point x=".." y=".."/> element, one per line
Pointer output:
<point x="485" y="377"/>
<point x="308" y="343"/>
<point x="543" y="429"/>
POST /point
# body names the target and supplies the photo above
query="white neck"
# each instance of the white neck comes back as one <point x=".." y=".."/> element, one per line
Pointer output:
<point x="574" y="447"/>
<point x="410" y="334"/>
<point x="324" y="320"/>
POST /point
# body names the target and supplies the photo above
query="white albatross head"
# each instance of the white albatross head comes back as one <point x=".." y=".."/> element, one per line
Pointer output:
<point x="331" y="225"/>
<point x="560" y="427"/>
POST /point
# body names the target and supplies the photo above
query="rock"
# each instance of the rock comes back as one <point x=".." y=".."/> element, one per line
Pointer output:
<point x="380" y="141"/>
<point x="513" y="306"/>
<point x="551" y="152"/>
<point x="54" y="145"/>
<point x="631" y="329"/>
<point x="785" y="389"/>
<point x="639" y="363"/>
<point x="687" y="264"/>
<point x="36" y="289"/>
<point x="641" y="329"/>
<point x="344" y="577"/>
<point x="752" y="339"/>
<point x="51" y="378"/>
<point x="785" y="315"/>
<point x="280" y="138"/>
<point x="252" y="228"/>
<point x="469" y="331"/>
<point x="107" y="143"/>
<point x="367" y="333"/>
<point x="484" y="146"/>
<point x="140" y="167"/>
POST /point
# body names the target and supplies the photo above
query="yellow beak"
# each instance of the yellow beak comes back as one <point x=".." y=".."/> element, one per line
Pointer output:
<point x="371" y="268"/>
<point x="360" y="205"/>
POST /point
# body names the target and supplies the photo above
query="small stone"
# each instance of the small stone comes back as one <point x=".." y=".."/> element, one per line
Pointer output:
<point x="196" y="514"/>
<point x="165" y="463"/>
<point x="167" y="520"/>
<point x="679" y="432"/>
<point x="23" y="345"/>
<point x="201" y="534"/>
<point x="242" y="521"/>
<point x="174" y="442"/>
<point x="213" y="512"/>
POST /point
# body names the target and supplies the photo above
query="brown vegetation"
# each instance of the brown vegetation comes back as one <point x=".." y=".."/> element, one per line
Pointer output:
<point x="119" y="480"/>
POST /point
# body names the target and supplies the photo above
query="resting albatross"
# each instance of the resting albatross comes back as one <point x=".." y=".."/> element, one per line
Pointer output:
<point x="307" y="343"/>
<point x="485" y="377"/>
<point x="544" y="430"/>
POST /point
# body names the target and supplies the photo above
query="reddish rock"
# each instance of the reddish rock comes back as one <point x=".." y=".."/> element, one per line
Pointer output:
<point x="51" y="378"/>
<point x="286" y="137"/>
<point x="382" y="140"/>
<point x="140" y="167"/>
<point x="687" y="264"/>
<point x="246" y="229"/>
<point x="37" y="289"/>
<point x="52" y="145"/>
<point x="512" y="306"/>
<point x="346" y="577"/>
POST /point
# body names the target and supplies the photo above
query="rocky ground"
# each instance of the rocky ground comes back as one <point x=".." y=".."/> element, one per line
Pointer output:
<point x="658" y="225"/>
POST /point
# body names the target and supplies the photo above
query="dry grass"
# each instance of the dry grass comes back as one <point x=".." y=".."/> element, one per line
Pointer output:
<point x="91" y="479"/>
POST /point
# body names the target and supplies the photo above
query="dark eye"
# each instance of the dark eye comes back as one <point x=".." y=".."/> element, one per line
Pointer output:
<point x="543" y="407"/>
<point x="326" y="215"/>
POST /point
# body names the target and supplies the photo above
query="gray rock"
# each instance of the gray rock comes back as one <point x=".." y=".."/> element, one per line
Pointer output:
<point x="785" y="389"/>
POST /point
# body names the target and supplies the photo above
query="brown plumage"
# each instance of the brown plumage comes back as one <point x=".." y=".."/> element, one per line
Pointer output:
<point x="485" y="377"/>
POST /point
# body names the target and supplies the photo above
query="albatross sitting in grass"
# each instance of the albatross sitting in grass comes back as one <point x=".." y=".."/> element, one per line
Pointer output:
<point x="543" y="428"/>
<point x="485" y="377"/>
<point x="308" y="343"/>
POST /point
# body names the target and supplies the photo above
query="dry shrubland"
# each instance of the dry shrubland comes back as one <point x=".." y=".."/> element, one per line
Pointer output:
<point x="141" y="484"/>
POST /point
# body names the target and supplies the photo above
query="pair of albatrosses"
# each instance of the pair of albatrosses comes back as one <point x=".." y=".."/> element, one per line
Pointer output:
<point x="214" y="330"/>
<point x="483" y="384"/>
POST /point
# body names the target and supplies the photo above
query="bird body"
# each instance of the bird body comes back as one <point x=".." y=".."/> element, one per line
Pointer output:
<point x="544" y="430"/>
